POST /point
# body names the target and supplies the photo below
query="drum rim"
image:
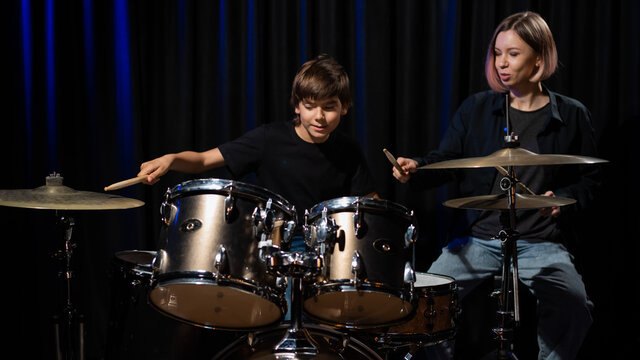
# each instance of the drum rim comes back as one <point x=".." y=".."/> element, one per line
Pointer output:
<point x="209" y="278"/>
<point x="364" y="203"/>
<point x="246" y="190"/>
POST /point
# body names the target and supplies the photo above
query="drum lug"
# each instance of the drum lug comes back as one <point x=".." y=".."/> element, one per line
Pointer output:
<point x="327" y="228"/>
<point x="409" y="274"/>
<point x="357" y="268"/>
<point x="410" y="235"/>
<point x="263" y="220"/>
<point x="325" y="232"/>
<point x="288" y="231"/>
<point x="222" y="261"/>
<point x="430" y="314"/>
<point x="229" y="207"/>
<point x="357" y="221"/>
<point x="166" y="209"/>
<point x="159" y="260"/>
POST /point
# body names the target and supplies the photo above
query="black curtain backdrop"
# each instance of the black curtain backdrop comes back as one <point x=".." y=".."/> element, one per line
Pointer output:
<point x="94" y="88"/>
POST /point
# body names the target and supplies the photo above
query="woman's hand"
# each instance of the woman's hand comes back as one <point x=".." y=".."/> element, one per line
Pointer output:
<point x="408" y="166"/>
<point x="550" y="211"/>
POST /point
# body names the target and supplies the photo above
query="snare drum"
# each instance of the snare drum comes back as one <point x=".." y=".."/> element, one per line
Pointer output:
<point x="366" y="274"/>
<point x="209" y="270"/>
<point x="435" y="317"/>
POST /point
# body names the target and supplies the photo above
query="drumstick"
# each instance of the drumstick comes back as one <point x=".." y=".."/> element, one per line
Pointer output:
<point x="522" y="186"/>
<point x="393" y="161"/>
<point x="125" y="183"/>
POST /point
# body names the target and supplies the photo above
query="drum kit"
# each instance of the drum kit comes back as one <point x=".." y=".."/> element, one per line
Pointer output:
<point x="224" y="262"/>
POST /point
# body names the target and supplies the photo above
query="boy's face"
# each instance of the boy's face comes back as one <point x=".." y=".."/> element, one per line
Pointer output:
<point x="318" y="118"/>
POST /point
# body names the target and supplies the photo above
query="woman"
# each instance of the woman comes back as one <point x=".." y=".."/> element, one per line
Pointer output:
<point x="520" y="56"/>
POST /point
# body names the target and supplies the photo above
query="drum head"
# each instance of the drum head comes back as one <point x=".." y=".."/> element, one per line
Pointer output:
<point x="208" y="304"/>
<point x="330" y="344"/>
<point x="344" y="306"/>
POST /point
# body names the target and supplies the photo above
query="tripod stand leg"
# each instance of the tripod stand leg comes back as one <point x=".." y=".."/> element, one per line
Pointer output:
<point x="57" y="337"/>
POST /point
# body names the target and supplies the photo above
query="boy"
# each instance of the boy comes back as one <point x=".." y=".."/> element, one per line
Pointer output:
<point x="304" y="161"/>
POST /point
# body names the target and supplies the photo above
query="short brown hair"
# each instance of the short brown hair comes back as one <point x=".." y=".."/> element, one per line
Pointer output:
<point x="531" y="28"/>
<point x="321" y="78"/>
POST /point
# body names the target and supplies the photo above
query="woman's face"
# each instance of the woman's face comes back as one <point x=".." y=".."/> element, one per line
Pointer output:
<point x="515" y="61"/>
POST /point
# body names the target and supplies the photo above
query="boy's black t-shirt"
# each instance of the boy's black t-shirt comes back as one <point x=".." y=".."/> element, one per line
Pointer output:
<point x="305" y="174"/>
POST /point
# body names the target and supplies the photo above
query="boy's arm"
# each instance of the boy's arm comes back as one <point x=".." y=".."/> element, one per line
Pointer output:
<point x="187" y="162"/>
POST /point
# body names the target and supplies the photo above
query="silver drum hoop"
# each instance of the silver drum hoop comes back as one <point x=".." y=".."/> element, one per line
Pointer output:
<point x="224" y="186"/>
<point x="352" y="203"/>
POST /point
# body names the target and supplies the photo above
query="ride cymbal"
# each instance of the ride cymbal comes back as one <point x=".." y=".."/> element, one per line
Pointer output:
<point x="513" y="157"/>
<point x="55" y="196"/>
<point x="500" y="202"/>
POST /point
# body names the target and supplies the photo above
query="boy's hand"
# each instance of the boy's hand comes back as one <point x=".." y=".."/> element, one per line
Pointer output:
<point x="155" y="168"/>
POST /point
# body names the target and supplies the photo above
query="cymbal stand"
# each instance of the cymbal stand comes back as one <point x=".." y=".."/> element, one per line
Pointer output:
<point x="508" y="236"/>
<point x="68" y="321"/>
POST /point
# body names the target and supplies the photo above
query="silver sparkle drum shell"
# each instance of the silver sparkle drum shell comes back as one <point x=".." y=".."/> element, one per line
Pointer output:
<point x="208" y="270"/>
<point x="381" y="295"/>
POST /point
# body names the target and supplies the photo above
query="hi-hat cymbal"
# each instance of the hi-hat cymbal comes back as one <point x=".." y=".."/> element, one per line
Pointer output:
<point x="513" y="157"/>
<point x="55" y="196"/>
<point x="500" y="202"/>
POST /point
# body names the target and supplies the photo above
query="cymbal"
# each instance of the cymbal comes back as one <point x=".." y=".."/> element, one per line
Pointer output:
<point x="513" y="157"/>
<point x="55" y="196"/>
<point x="500" y="202"/>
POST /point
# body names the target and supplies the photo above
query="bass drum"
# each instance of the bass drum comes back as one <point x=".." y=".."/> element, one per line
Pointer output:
<point x="209" y="270"/>
<point x="329" y="343"/>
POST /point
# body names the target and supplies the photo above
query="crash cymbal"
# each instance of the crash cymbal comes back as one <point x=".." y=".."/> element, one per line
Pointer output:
<point x="513" y="157"/>
<point x="500" y="202"/>
<point x="55" y="196"/>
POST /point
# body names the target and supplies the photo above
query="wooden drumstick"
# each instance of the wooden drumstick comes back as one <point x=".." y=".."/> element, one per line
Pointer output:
<point x="393" y="160"/>
<point x="125" y="183"/>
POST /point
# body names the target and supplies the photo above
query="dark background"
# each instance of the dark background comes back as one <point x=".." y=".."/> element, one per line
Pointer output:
<point x="94" y="88"/>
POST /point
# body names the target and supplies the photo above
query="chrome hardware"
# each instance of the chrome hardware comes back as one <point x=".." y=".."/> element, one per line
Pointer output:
<point x="357" y="220"/>
<point x="159" y="260"/>
<point x="222" y="261"/>
<point x="165" y="209"/>
<point x="229" y="207"/>
<point x="326" y="228"/>
<point x="288" y="231"/>
<point x="410" y="235"/>
<point x="409" y="274"/>
<point x="268" y="219"/>
<point x="263" y="220"/>
<point x="357" y="267"/>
